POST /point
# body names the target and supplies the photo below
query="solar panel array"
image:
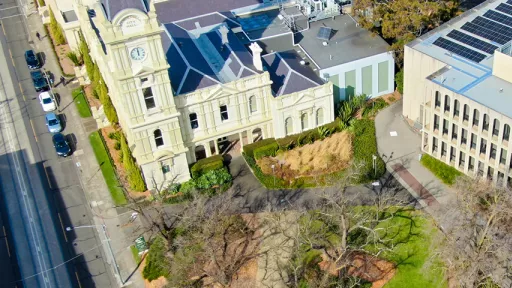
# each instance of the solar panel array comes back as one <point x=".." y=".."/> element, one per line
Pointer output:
<point x="324" y="33"/>
<point x="498" y="17"/>
<point x="485" y="33"/>
<point x="509" y="2"/>
<point x="505" y="8"/>
<point x="472" y="41"/>
<point x="459" y="49"/>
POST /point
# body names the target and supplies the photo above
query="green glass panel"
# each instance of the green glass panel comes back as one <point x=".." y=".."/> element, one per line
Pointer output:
<point x="383" y="76"/>
<point x="335" y="79"/>
<point x="367" y="80"/>
<point x="350" y="84"/>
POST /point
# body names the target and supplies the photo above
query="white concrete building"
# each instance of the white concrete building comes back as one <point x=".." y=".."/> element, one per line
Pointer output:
<point x="458" y="88"/>
<point x="193" y="78"/>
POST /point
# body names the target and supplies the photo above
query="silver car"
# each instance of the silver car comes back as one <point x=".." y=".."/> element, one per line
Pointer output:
<point x="53" y="123"/>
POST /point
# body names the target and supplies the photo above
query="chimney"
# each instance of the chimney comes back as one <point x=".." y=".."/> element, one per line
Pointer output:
<point x="224" y="33"/>
<point x="256" y="56"/>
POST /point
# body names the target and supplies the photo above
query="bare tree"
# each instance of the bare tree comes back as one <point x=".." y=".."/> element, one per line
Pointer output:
<point x="477" y="241"/>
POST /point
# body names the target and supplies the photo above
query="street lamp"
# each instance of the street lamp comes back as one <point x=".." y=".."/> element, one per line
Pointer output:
<point x="104" y="230"/>
<point x="374" y="162"/>
<point x="274" y="174"/>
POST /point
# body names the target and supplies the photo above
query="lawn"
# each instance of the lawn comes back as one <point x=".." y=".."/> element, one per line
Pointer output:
<point x="107" y="169"/>
<point x="443" y="171"/>
<point x="135" y="253"/>
<point x="81" y="103"/>
<point x="412" y="253"/>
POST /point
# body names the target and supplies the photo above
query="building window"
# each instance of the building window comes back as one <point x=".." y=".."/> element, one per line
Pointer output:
<point x="159" y="140"/>
<point x="506" y="132"/>
<point x="464" y="139"/>
<point x="143" y="80"/>
<point x="149" y="99"/>
<point x="445" y="126"/>
<point x="456" y="108"/>
<point x="288" y="126"/>
<point x="194" y="124"/>
<point x="452" y="154"/>
<point x="438" y="99"/>
<point x="466" y="113"/>
<point x="476" y="116"/>
<point x="462" y="159"/>
<point x="166" y="168"/>
<point x="496" y="128"/>
<point x="446" y="103"/>
<point x="471" y="165"/>
<point x="436" y="122"/>
<point x="455" y="129"/>
<point x="473" y="141"/>
<point x="485" y="127"/>
<point x="503" y="156"/>
<point x="434" y="145"/>
<point x="490" y="173"/>
<point x="493" y="151"/>
<point x="483" y="146"/>
<point x="319" y="116"/>
<point x="304" y="121"/>
<point x="252" y="104"/>
<point x="224" y="112"/>
<point x="443" y="149"/>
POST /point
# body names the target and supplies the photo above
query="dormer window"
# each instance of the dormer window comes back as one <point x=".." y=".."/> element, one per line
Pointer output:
<point x="143" y="80"/>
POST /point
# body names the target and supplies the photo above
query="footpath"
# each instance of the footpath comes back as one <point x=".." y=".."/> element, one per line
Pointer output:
<point x="117" y="221"/>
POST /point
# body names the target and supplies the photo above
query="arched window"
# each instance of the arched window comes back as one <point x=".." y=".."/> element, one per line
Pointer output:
<point x="319" y="116"/>
<point x="456" y="108"/>
<point x="485" y="126"/>
<point x="159" y="140"/>
<point x="506" y="132"/>
<point x="466" y="113"/>
<point x="304" y="121"/>
<point x="496" y="127"/>
<point x="252" y="104"/>
<point x="476" y="117"/>
<point x="438" y="99"/>
<point x="193" y="120"/>
<point x="446" y="103"/>
<point x="288" y="126"/>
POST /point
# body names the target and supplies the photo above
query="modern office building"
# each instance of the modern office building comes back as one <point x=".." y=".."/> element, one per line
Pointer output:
<point x="192" y="78"/>
<point x="458" y="89"/>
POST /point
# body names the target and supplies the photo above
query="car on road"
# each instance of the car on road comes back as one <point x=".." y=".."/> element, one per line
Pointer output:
<point x="40" y="83"/>
<point x="61" y="145"/>
<point x="32" y="60"/>
<point x="53" y="123"/>
<point x="47" y="101"/>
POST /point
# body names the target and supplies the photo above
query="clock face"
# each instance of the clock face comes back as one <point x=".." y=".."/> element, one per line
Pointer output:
<point x="138" y="53"/>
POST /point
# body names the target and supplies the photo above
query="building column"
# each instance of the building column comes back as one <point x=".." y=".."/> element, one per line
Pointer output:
<point x="240" y="135"/>
<point x="208" y="149"/>
<point x="249" y="136"/>
<point x="216" y="145"/>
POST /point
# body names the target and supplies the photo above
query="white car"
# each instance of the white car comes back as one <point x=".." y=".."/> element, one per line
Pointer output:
<point x="47" y="101"/>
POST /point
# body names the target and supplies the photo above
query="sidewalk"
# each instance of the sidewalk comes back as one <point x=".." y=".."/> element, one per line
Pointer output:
<point x="91" y="178"/>
<point x="401" y="154"/>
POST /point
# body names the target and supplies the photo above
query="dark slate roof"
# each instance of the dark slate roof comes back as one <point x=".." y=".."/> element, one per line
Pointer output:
<point x="208" y="20"/>
<point x="174" y="10"/>
<point x="191" y="68"/>
<point x="288" y="75"/>
<point x="112" y="7"/>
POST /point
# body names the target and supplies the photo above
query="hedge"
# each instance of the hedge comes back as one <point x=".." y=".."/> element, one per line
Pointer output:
<point x="207" y="164"/>
<point x="133" y="172"/>
<point x="308" y="136"/>
<point x="267" y="150"/>
<point x="56" y="29"/>
<point x="249" y="148"/>
<point x="269" y="181"/>
<point x="446" y="173"/>
<point x="157" y="264"/>
<point x="365" y="146"/>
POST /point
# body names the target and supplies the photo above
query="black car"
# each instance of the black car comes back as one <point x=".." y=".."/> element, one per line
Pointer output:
<point x="32" y="61"/>
<point x="61" y="145"/>
<point x="40" y="83"/>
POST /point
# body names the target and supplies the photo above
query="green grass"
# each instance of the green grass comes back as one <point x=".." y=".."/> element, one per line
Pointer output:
<point x="81" y="103"/>
<point x="412" y="253"/>
<point x="135" y="253"/>
<point x="107" y="169"/>
<point x="446" y="173"/>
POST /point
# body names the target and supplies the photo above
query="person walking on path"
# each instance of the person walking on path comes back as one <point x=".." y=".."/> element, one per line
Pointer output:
<point x="38" y="36"/>
<point x="63" y="80"/>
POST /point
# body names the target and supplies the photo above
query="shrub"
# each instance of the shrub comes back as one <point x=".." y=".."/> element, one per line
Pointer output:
<point x="365" y="146"/>
<point x="269" y="181"/>
<point x="157" y="264"/>
<point x="73" y="56"/>
<point x="135" y="178"/>
<point x="213" y="178"/>
<point x="86" y="57"/>
<point x="117" y="146"/>
<point x="392" y="99"/>
<point x="446" y="173"/>
<point x="399" y="80"/>
<point x="114" y="135"/>
<point x="41" y="3"/>
<point x="267" y="150"/>
<point x="249" y="148"/>
<point x="204" y="165"/>
<point x="372" y="108"/>
<point x="110" y="111"/>
<point x="57" y="33"/>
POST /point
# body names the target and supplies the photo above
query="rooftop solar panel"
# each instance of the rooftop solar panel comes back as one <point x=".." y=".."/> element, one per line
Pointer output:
<point x="491" y="25"/>
<point x="498" y="17"/>
<point x="509" y="2"/>
<point x="459" y="49"/>
<point x="324" y="33"/>
<point x="485" y="33"/>
<point x="504" y="8"/>
<point x="472" y="41"/>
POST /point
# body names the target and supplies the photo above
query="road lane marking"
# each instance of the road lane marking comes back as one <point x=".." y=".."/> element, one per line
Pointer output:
<point x="33" y="129"/>
<point x="12" y="58"/>
<point x="22" y="92"/>
<point x="47" y="177"/>
<point x="78" y="279"/>
<point x="7" y="243"/>
<point x="63" y="230"/>
<point x="3" y="29"/>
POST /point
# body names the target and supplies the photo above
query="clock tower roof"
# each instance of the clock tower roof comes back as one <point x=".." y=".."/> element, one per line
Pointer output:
<point x="112" y="7"/>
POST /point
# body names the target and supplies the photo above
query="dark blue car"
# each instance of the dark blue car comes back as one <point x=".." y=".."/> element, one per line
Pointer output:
<point x="40" y="82"/>
<point x="32" y="61"/>
<point x="61" y="145"/>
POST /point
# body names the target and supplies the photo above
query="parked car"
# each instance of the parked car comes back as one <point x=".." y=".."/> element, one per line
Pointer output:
<point x="61" y="145"/>
<point x="47" y="101"/>
<point x="53" y="123"/>
<point x="40" y="83"/>
<point x="32" y="60"/>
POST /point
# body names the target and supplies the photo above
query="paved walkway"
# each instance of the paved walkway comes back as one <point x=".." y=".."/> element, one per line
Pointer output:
<point x="402" y="153"/>
<point x="119" y="228"/>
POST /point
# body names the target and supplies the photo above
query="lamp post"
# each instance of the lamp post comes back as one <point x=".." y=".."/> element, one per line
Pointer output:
<point x="274" y="174"/>
<point x="374" y="162"/>
<point x="104" y="230"/>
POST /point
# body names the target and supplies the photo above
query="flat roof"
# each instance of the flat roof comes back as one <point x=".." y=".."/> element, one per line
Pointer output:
<point x="466" y="77"/>
<point x="348" y="42"/>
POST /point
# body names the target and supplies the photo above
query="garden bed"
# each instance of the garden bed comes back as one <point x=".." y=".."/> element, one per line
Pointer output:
<point x="61" y="52"/>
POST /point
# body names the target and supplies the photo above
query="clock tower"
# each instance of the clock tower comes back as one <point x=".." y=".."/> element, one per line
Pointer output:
<point x="132" y="61"/>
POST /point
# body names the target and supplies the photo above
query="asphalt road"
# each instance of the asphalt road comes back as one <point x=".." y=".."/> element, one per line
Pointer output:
<point x="42" y="193"/>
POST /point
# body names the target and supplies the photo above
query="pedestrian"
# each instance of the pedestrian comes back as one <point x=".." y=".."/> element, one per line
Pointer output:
<point x="134" y="216"/>
<point x="63" y="80"/>
<point x="38" y="36"/>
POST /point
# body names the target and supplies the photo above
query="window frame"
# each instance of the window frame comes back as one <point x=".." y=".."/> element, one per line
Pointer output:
<point x="222" y="117"/>
<point x="146" y="98"/>
<point x="159" y="139"/>
<point x="192" y="121"/>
